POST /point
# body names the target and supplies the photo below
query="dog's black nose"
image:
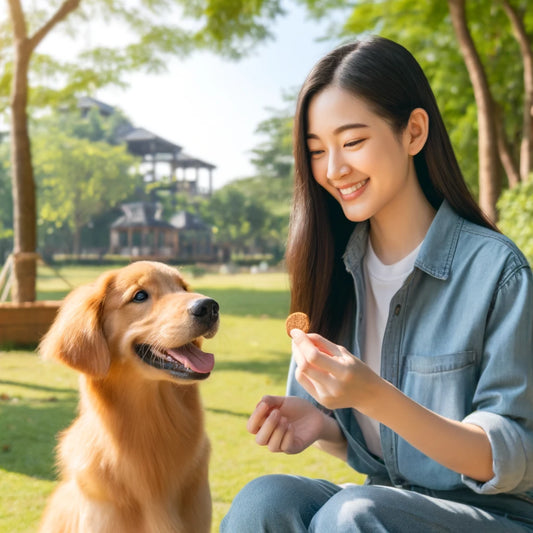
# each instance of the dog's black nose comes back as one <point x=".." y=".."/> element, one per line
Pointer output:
<point x="204" y="309"/>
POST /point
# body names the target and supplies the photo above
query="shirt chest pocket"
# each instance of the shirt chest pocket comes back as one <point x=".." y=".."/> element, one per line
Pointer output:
<point x="444" y="384"/>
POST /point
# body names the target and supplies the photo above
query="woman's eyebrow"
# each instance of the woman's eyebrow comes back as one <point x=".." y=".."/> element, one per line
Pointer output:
<point x="340" y="129"/>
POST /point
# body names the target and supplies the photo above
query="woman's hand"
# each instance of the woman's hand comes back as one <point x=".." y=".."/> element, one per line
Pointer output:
<point x="332" y="375"/>
<point x="286" y="423"/>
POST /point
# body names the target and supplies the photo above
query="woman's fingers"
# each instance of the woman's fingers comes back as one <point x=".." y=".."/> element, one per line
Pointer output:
<point x="261" y="411"/>
<point x="313" y="351"/>
<point x="257" y="418"/>
<point x="267" y="423"/>
<point x="272" y="431"/>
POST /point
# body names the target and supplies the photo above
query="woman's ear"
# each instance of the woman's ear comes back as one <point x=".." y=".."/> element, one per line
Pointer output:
<point x="417" y="130"/>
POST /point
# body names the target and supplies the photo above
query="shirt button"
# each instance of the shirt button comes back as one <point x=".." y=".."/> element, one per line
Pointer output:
<point x="397" y="310"/>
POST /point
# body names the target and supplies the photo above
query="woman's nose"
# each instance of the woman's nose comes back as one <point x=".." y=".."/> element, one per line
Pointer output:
<point x="337" y="167"/>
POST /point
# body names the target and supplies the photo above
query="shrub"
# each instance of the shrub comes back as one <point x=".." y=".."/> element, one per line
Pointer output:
<point x="516" y="217"/>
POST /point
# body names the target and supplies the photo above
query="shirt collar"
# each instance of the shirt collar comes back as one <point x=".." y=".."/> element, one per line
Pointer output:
<point x="437" y="252"/>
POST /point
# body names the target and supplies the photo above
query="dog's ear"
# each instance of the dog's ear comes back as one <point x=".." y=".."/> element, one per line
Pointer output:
<point x="76" y="337"/>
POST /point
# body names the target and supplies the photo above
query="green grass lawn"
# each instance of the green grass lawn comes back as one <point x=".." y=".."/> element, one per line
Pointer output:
<point x="38" y="399"/>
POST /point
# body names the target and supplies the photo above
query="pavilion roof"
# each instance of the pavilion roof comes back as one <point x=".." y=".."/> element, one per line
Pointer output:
<point x="87" y="102"/>
<point x="143" y="142"/>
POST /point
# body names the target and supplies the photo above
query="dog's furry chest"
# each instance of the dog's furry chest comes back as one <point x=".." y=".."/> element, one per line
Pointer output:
<point x="125" y="449"/>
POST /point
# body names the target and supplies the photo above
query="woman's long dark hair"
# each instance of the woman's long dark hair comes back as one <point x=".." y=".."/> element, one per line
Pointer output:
<point x="390" y="80"/>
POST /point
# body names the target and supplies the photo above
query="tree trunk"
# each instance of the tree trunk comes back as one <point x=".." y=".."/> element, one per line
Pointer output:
<point x="489" y="164"/>
<point x="520" y="33"/>
<point x="76" y="242"/>
<point x="504" y="150"/>
<point x="24" y="206"/>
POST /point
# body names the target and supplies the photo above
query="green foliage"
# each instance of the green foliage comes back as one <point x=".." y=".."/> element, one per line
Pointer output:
<point x="516" y="216"/>
<point x="235" y="217"/>
<point x="273" y="157"/>
<point x="79" y="175"/>
<point x="252" y="355"/>
<point x="151" y="31"/>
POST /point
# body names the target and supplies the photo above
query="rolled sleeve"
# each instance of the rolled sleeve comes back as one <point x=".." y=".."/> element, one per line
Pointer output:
<point x="509" y="457"/>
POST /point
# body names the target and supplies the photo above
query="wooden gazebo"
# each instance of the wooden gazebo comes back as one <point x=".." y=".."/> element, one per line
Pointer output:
<point x="155" y="151"/>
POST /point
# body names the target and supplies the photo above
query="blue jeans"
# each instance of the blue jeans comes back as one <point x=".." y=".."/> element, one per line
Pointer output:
<point x="292" y="504"/>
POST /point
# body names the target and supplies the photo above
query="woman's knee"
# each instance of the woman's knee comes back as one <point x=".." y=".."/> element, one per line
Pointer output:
<point x="276" y="503"/>
<point x="259" y="505"/>
<point x="358" y="508"/>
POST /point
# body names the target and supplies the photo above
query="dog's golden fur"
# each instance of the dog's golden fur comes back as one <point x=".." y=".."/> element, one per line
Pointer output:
<point x="135" y="460"/>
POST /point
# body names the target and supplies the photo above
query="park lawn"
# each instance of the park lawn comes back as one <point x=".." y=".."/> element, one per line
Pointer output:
<point x="38" y="399"/>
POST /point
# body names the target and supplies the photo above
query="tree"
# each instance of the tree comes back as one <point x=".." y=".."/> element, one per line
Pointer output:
<point x="234" y="217"/>
<point x="229" y="28"/>
<point x="78" y="179"/>
<point x="273" y="157"/>
<point x="489" y="174"/>
<point x="516" y="15"/>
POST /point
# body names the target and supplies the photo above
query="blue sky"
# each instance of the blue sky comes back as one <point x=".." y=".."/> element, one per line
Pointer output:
<point x="211" y="107"/>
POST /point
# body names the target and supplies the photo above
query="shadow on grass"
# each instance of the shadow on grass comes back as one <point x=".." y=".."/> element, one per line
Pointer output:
<point x="227" y="412"/>
<point x="28" y="433"/>
<point x="37" y="387"/>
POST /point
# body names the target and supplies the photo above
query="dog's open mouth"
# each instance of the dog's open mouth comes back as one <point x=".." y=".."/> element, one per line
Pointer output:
<point x="186" y="362"/>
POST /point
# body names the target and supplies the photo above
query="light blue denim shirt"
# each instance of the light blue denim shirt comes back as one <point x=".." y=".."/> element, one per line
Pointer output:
<point x="459" y="340"/>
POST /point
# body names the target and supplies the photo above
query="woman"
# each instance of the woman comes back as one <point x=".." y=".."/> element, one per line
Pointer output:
<point x="420" y="367"/>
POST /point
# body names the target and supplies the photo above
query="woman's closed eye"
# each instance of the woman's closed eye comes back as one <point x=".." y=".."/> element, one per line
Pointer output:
<point x="355" y="142"/>
<point x="315" y="153"/>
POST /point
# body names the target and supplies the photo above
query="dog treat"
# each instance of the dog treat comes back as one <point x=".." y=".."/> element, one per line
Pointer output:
<point x="297" y="320"/>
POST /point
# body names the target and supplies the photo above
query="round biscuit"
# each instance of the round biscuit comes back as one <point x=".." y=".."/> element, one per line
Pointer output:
<point x="297" y="320"/>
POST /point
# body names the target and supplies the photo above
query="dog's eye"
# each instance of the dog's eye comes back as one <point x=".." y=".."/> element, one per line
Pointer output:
<point x="140" y="296"/>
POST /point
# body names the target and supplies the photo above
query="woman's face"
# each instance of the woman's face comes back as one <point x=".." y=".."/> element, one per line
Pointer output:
<point x="357" y="157"/>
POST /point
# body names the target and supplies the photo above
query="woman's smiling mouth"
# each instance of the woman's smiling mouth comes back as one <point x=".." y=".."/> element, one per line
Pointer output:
<point x="348" y="191"/>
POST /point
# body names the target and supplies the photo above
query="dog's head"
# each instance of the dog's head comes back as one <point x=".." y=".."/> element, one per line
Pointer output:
<point x="143" y="316"/>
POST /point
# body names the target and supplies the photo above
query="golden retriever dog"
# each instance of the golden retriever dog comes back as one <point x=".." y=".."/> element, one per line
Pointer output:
<point x="135" y="460"/>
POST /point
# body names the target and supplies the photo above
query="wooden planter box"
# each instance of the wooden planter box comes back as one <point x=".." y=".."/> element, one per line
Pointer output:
<point x="24" y="324"/>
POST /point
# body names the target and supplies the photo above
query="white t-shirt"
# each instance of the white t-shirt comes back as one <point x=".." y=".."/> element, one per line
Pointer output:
<point x="381" y="284"/>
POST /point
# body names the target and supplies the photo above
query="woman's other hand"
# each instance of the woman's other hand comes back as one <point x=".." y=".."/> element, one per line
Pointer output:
<point x="286" y="423"/>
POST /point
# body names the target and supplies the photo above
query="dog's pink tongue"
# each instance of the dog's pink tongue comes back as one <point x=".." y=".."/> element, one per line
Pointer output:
<point x="192" y="357"/>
